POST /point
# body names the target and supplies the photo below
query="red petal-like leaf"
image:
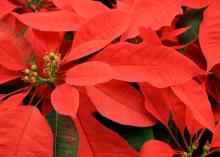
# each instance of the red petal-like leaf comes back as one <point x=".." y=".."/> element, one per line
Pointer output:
<point x="15" y="51"/>
<point x="196" y="99"/>
<point x="149" y="35"/>
<point x="6" y="7"/>
<point x="49" y="41"/>
<point x="156" y="102"/>
<point x="159" y="65"/>
<point x="7" y="75"/>
<point x="25" y="132"/>
<point x="51" y="21"/>
<point x="14" y="100"/>
<point x="216" y="138"/>
<point x="121" y="103"/>
<point x="209" y="34"/>
<point x="179" y="115"/>
<point x="86" y="49"/>
<point x="105" y="26"/>
<point x="196" y="3"/>
<point x="63" y="4"/>
<point x="102" y="28"/>
<point x="89" y="73"/>
<point x="192" y="125"/>
<point x="98" y="141"/>
<point x="65" y="100"/>
<point x="170" y="33"/>
<point x="155" y="148"/>
<point x="88" y="8"/>
<point x="152" y="13"/>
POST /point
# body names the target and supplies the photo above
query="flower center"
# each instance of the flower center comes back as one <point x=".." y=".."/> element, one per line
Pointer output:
<point x="51" y="64"/>
<point x="34" y="5"/>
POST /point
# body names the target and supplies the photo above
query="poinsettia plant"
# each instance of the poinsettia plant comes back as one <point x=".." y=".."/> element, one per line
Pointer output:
<point x="124" y="78"/>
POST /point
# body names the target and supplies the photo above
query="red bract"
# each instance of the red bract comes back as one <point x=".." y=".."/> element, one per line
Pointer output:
<point x="156" y="102"/>
<point x="25" y="132"/>
<point x="161" y="149"/>
<point x="209" y="34"/>
<point x="68" y="95"/>
<point x="18" y="54"/>
<point x="127" y="105"/>
<point x="51" y="21"/>
<point x="95" y="139"/>
<point x="148" y="62"/>
<point x="196" y="3"/>
<point x="7" y="7"/>
<point x="109" y="25"/>
<point x="88" y="8"/>
<point x="150" y="13"/>
<point x="196" y="99"/>
<point x="64" y="4"/>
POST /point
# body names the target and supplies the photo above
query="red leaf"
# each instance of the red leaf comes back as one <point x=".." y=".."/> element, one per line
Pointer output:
<point x="14" y="100"/>
<point x="99" y="31"/>
<point x="149" y="35"/>
<point x="196" y="99"/>
<point x="88" y="107"/>
<point x="25" y="132"/>
<point x="159" y="65"/>
<point x="170" y="33"/>
<point x="7" y="75"/>
<point x="89" y="73"/>
<point x="192" y="125"/>
<point x="15" y="51"/>
<point x="49" y="41"/>
<point x="64" y="4"/>
<point x="156" y="102"/>
<point x="155" y="148"/>
<point x="216" y="137"/>
<point x="86" y="49"/>
<point x="98" y="141"/>
<point x="65" y="100"/>
<point x="121" y="103"/>
<point x="209" y="34"/>
<point x="108" y="26"/>
<point x="196" y="3"/>
<point x="88" y="8"/>
<point x="6" y="7"/>
<point x="152" y="13"/>
<point x="179" y="115"/>
<point x="51" y="21"/>
<point x="13" y="22"/>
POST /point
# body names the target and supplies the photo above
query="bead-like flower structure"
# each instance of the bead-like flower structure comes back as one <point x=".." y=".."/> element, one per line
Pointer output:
<point x="51" y="64"/>
<point x="34" y="5"/>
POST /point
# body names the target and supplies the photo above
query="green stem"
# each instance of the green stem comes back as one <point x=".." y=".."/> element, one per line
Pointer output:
<point x="204" y="154"/>
<point x="41" y="80"/>
<point x="190" y="152"/>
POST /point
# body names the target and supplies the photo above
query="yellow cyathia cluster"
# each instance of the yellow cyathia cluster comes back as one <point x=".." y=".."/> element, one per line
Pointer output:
<point x="51" y="63"/>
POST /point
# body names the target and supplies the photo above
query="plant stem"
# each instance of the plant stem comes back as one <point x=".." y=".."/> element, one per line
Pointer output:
<point x="190" y="152"/>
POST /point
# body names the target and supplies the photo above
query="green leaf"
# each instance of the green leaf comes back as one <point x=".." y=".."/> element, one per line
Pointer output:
<point x="65" y="135"/>
<point x="192" y="18"/>
<point x="68" y="36"/>
<point x="137" y="136"/>
<point x="161" y="133"/>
